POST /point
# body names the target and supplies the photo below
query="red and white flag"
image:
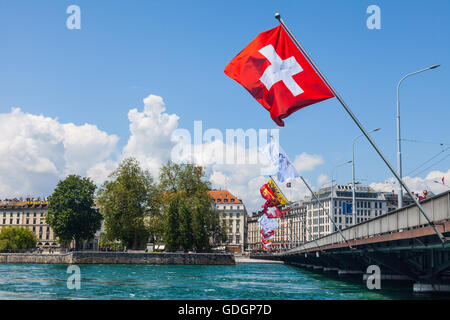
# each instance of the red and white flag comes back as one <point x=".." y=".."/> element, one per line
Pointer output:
<point x="276" y="73"/>
<point x="288" y="185"/>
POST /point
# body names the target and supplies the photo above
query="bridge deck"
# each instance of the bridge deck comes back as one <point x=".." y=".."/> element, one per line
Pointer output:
<point x="405" y="223"/>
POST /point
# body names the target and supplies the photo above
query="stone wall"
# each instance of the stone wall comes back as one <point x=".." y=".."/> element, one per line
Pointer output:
<point x="119" y="258"/>
<point x="32" y="258"/>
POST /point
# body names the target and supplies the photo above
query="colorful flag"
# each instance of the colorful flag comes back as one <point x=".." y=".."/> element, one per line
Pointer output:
<point x="278" y="194"/>
<point x="277" y="75"/>
<point x="268" y="224"/>
<point x="279" y="159"/>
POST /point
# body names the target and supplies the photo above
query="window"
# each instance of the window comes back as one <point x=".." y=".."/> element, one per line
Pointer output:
<point x="237" y="239"/>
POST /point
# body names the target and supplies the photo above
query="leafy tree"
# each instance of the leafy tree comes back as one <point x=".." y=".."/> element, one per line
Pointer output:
<point x="185" y="183"/>
<point x="171" y="235"/>
<point x="17" y="238"/>
<point x="201" y="241"/>
<point x="186" y="237"/>
<point x="126" y="200"/>
<point x="71" y="213"/>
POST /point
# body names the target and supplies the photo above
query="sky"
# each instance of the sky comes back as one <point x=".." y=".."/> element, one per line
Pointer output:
<point x="79" y="101"/>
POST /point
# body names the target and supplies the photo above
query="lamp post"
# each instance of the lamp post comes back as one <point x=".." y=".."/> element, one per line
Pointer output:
<point x="399" y="150"/>
<point x="353" y="176"/>
<point x="332" y="180"/>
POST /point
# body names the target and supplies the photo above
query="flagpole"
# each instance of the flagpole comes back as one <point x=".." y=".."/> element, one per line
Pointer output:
<point x="321" y="206"/>
<point x="441" y="237"/>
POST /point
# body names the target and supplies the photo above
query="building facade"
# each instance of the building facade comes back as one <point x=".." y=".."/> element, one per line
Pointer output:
<point x="233" y="215"/>
<point x="29" y="214"/>
<point x="337" y="201"/>
<point x="290" y="233"/>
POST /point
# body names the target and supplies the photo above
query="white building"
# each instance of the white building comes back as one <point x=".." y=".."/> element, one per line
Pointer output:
<point x="369" y="204"/>
<point x="234" y="215"/>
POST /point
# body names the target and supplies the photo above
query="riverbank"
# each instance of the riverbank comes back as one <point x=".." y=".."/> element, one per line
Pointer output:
<point x="80" y="257"/>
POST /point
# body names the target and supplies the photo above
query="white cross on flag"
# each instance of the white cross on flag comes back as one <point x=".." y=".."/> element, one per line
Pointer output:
<point x="277" y="74"/>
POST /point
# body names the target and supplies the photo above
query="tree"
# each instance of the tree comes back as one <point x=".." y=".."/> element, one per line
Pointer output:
<point x="171" y="234"/>
<point x="126" y="200"/>
<point x="185" y="183"/>
<point x="17" y="238"/>
<point x="201" y="241"/>
<point x="186" y="238"/>
<point x="71" y="213"/>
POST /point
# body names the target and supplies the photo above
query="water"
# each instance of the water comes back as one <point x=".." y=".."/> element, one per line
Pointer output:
<point x="242" y="281"/>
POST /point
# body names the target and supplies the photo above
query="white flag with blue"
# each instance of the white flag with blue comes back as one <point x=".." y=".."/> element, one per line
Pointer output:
<point x="279" y="159"/>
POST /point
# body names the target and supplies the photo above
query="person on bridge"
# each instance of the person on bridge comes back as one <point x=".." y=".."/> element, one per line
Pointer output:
<point x="423" y="196"/>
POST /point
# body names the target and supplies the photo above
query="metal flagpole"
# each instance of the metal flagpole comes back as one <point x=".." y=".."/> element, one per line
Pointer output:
<point x="320" y="205"/>
<point x="441" y="237"/>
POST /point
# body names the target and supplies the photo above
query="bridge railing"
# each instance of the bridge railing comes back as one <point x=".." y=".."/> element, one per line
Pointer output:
<point x="437" y="209"/>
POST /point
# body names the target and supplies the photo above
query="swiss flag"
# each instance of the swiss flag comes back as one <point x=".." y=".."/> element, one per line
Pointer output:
<point x="277" y="74"/>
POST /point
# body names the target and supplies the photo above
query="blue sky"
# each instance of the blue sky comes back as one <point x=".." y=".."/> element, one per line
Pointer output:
<point x="127" y="50"/>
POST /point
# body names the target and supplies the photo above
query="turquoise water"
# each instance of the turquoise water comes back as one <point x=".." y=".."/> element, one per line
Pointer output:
<point x="242" y="281"/>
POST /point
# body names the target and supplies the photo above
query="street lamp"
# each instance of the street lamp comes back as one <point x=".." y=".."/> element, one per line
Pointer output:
<point x="399" y="150"/>
<point x="332" y="180"/>
<point x="353" y="176"/>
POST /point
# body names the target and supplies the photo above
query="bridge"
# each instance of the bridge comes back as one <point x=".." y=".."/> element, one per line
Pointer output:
<point x="402" y="243"/>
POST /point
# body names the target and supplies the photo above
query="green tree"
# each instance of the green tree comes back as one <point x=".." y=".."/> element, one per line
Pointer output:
<point x="126" y="200"/>
<point x="17" y="238"/>
<point x="199" y="228"/>
<point x="71" y="213"/>
<point x="171" y="235"/>
<point x="186" y="183"/>
<point x="186" y="230"/>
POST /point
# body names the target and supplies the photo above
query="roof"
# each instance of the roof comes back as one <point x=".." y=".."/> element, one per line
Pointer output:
<point x="220" y="196"/>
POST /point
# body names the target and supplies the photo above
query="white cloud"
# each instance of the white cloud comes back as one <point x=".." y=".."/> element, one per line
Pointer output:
<point x="416" y="184"/>
<point x="37" y="151"/>
<point x="307" y="162"/>
<point x="150" y="140"/>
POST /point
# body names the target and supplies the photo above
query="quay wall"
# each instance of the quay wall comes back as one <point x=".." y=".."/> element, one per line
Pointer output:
<point x="119" y="258"/>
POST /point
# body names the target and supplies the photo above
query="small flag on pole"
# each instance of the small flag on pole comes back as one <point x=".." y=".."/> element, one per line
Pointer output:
<point x="279" y="159"/>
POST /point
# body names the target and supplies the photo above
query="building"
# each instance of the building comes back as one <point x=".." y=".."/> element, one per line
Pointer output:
<point x="369" y="204"/>
<point x="234" y="215"/>
<point x="392" y="200"/>
<point x="29" y="214"/>
<point x="254" y="232"/>
<point x="290" y="233"/>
